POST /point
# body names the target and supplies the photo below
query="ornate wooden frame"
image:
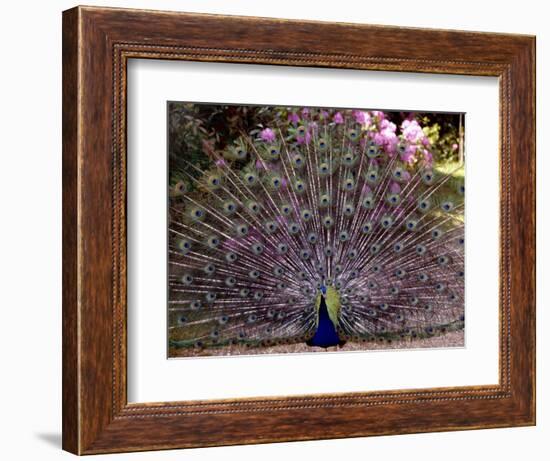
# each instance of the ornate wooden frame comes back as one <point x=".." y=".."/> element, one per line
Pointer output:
<point x="97" y="43"/>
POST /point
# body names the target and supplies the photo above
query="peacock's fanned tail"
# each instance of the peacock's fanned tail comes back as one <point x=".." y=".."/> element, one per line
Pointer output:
<point x="258" y="232"/>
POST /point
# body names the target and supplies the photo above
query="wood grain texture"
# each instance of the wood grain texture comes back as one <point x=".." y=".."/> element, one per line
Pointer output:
<point x="97" y="43"/>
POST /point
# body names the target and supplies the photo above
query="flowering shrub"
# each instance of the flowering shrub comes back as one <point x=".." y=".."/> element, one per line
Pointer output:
<point x="200" y="130"/>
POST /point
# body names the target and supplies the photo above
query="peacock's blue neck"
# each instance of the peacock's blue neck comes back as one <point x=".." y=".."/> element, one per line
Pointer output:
<point x="326" y="334"/>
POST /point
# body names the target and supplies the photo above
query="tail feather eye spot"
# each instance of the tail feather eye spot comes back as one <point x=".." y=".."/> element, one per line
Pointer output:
<point x="276" y="182"/>
<point x="420" y="249"/>
<point x="210" y="297"/>
<point x="328" y="221"/>
<point x="394" y="199"/>
<point x="230" y="281"/>
<point x="293" y="228"/>
<point x="329" y="251"/>
<point x="254" y="207"/>
<point x="372" y="151"/>
<point x="324" y="200"/>
<point x="400" y="273"/>
<point x="349" y="209"/>
<point x="411" y="224"/>
<point x="423" y="277"/>
<point x="353" y="135"/>
<point x="254" y="274"/>
<point x="250" y="179"/>
<point x="343" y="236"/>
<point x="366" y="228"/>
<point x="209" y="269"/>
<point x="428" y="177"/>
<point x="349" y="184"/>
<point x="306" y="215"/>
<point x="324" y="169"/>
<point x="195" y="305"/>
<point x="274" y="153"/>
<point x="223" y="319"/>
<point x="372" y="177"/>
<point x="443" y="260"/>
<point x="436" y="233"/>
<point x="257" y="248"/>
<point x="271" y="227"/>
<point x="348" y="159"/>
<point x="298" y="161"/>
<point x="386" y="221"/>
<point x="213" y="241"/>
<point x="229" y="207"/>
<point x="299" y="186"/>
<point x="242" y="230"/>
<point x="187" y="279"/>
<point x="312" y="237"/>
<point x="214" y="181"/>
<point x="368" y="202"/>
<point x="305" y="254"/>
<point x="282" y="248"/>
<point x="424" y="205"/>
<point x="447" y="206"/>
<point x="184" y="246"/>
<point x="230" y="257"/>
<point x="286" y="209"/>
<point x="244" y="292"/>
<point x="197" y="214"/>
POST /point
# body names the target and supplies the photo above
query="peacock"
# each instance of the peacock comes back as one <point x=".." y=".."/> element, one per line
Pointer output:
<point x="320" y="230"/>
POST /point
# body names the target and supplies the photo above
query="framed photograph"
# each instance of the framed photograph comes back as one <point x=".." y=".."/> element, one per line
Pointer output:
<point x="271" y="234"/>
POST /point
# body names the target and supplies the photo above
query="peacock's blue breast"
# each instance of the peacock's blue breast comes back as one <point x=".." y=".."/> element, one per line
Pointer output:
<point x="326" y="334"/>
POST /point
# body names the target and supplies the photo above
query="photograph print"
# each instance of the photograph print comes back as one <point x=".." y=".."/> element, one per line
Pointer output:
<point x="313" y="229"/>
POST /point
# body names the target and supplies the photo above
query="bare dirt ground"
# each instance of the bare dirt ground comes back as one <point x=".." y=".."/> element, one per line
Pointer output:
<point x="451" y="339"/>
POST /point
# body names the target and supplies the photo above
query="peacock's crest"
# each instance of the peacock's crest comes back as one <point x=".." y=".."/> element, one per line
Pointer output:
<point x="317" y="229"/>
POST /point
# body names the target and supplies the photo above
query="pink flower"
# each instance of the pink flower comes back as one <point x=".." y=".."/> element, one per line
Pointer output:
<point x="426" y="141"/>
<point x="267" y="135"/>
<point x="379" y="115"/>
<point x="293" y="118"/>
<point x="220" y="162"/>
<point x="408" y="155"/>
<point x="305" y="112"/>
<point x="324" y="114"/>
<point x="428" y="159"/>
<point x="412" y="131"/>
<point x="338" y="119"/>
<point x="454" y="146"/>
<point x="304" y="139"/>
<point x="260" y="165"/>
<point x="366" y="189"/>
<point x="395" y="188"/>
<point x="361" y="117"/>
